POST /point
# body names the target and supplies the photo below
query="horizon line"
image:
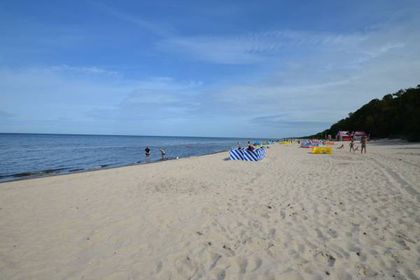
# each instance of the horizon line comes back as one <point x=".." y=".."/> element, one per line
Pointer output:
<point x="131" y="135"/>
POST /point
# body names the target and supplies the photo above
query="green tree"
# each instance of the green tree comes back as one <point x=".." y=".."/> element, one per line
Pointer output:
<point x="396" y="115"/>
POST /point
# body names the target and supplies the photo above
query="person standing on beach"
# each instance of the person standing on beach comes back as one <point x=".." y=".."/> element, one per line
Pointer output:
<point x="352" y="145"/>
<point x="363" y="141"/>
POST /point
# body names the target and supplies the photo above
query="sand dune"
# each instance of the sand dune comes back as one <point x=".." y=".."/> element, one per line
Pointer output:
<point x="291" y="216"/>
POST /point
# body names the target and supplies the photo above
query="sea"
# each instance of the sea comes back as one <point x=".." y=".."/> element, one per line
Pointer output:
<point x="35" y="155"/>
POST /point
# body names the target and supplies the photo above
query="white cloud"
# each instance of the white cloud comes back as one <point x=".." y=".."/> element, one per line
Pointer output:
<point x="90" y="70"/>
<point x="140" y="22"/>
<point x="303" y="81"/>
<point x="47" y="94"/>
<point x="255" y="48"/>
<point x="340" y="74"/>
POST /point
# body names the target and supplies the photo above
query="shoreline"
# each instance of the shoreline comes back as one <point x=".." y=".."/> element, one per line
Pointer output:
<point x="28" y="156"/>
<point x="46" y="174"/>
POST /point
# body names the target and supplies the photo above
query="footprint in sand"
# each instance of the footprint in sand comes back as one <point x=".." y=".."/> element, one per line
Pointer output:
<point x="229" y="252"/>
<point x="255" y="264"/>
<point x="366" y="271"/>
<point x="282" y="214"/>
<point x="159" y="267"/>
<point x="333" y="233"/>
<point x="320" y="235"/>
<point x="221" y="275"/>
<point x="215" y="258"/>
<point x="325" y="257"/>
<point x="243" y="265"/>
<point x="272" y="233"/>
<point x="331" y="260"/>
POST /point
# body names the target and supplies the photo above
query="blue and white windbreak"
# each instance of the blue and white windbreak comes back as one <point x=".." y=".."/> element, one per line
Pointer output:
<point x="244" y="154"/>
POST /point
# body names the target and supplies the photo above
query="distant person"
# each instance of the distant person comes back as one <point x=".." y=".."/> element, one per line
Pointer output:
<point x="352" y="144"/>
<point x="250" y="147"/>
<point x="162" y="153"/>
<point x="363" y="141"/>
<point x="239" y="146"/>
<point x="147" y="153"/>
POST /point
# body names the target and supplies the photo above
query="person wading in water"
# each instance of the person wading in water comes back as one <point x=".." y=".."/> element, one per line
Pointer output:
<point x="162" y="153"/>
<point x="147" y="153"/>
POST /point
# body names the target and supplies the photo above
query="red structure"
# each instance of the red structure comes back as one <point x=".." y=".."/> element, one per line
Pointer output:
<point x="357" y="135"/>
<point x="343" y="136"/>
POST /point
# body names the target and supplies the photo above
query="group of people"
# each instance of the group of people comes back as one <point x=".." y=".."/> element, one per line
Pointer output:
<point x="147" y="152"/>
<point x="354" y="148"/>
<point x="250" y="147"/>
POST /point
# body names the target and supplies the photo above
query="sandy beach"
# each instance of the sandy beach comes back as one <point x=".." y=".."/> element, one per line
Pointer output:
<point x="291" y="216"/>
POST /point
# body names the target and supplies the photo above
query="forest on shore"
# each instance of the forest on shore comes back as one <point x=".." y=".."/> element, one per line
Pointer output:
<point x="397" y="115"/>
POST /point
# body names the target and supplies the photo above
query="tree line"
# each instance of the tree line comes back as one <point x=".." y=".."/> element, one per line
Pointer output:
<point x="397" y="115"/>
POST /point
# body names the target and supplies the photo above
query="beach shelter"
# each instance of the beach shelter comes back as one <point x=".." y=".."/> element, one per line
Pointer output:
<point x="309" y="143"/>
<point x="357" y="135"/>
<point x="247" y="155"/>
<point x="343" y="136"/>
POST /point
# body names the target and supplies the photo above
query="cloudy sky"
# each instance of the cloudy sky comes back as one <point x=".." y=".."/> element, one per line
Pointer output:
<point x="200" y="68"/>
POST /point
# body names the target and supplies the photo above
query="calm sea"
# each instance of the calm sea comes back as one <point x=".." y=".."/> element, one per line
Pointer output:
<point x="29" y="155"/>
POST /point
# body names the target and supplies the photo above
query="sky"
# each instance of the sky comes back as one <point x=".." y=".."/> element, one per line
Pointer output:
<point x="200" y="68"/>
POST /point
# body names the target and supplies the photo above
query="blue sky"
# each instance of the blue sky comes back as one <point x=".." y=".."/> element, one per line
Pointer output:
<point x="200" y="68"/>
